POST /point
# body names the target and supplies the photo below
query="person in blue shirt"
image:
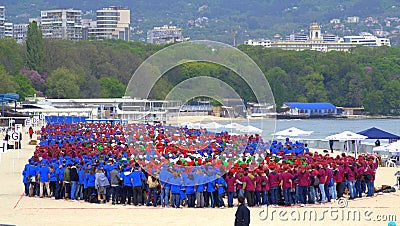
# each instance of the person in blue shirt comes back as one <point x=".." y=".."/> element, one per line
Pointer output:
<point x="53" y="180"/>
<point x="91" y="183"/>
<point x="44" y="178"/>
<point x="60" y="178"/>
<point x="137" y="177"/>
<point x="127" y="188"/>
<point x="176" y="182"/>
<point x="200" y="188"/>
<point x="210" y="190"/>
<point x="26" y="178"/>
<point x="79" y="189"/>
<point x="165" y="187"/>
<point x="221" y="184"/>
<point x="189" y="190"/>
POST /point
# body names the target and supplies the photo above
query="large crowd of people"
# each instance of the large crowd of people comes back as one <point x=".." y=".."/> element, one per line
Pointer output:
<point x="158" y="165"/>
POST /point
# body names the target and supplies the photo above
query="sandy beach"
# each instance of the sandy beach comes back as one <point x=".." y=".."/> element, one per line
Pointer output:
<point x="17" y="209"/>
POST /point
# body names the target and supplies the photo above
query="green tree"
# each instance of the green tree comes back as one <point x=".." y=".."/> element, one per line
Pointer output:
<point x="314" y="88"/>
<point x="111" y="87"/>
<point x="63" y="83"/>
<point x="24" y="86"/>
<point x="7" y="84"/>
<point x="34" y="47"/>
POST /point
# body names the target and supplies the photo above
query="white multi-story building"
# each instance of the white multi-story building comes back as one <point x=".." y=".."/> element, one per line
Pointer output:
<point x="62" y="24"/>
<point x="20" y="31"/>
<point x="113" y="22"/>
<point x="8" y="30"/>
<point x="258" y="42"/>
<point x="367" y="39"/>
<point x="164" y="35"/>
<point x="2" y="20"/>
<point x="323" y="42"/>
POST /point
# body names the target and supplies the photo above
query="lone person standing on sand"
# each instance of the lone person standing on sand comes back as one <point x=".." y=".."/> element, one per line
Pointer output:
<point x="242" y="216"/>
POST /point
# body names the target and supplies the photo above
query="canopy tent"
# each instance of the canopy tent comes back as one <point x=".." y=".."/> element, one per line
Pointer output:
<point x="348" y="136"/>
<point x="375" y="133"/>
<point x="250" y="129"/>
<point x="293" y="132"/>
<point x="394" y="147"/>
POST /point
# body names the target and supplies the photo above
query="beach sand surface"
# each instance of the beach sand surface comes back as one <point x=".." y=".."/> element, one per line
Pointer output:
<point x="17" y="209"/>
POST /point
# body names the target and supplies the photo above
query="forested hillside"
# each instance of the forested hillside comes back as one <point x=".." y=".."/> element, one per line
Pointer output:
<point x="365" y="77"/>
<point x="216" y="19"/>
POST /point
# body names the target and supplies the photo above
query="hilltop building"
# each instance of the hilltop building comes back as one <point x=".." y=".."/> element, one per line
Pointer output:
<point x="8" y="30"/>
<point x="2" y="20"/>
<point x="20" y="31"/>
<point x="62" y="24"/>
<point x="111" y="23"/>
<point x="318" y="41"/>
<point x="164" y="35"/>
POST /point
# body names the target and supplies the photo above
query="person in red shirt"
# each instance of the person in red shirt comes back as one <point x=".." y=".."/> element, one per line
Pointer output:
<point x="286" y="185"/>
<point x="257" y="194"/>
<point x="265" y="188"/>
<point x="274" y="180"/>
<point x="304" y="181"/>
<point x="249" y="187"/>
<point x="230" y="181"/>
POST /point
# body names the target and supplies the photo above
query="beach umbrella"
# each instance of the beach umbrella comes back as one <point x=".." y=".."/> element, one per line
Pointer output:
<point x="250" y="129"/>
<point x="293" y="132"/>
<point x="348" y="136"/>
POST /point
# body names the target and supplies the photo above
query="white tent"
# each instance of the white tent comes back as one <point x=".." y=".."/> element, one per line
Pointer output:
<point x="293" y="132"/>
<point x="212" y="125"/>
<point x="234" y="125"/>
<point x="250" y="129"/>
<point x="348" y="136"/>
<point x="394" y="147"/>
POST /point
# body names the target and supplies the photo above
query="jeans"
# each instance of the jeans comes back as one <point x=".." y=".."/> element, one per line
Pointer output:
<point x="311" y="195"/>
<point x="57" y="193"/>
<point x="358" y="189"/>
<point x="240" y="193"/>
<point x="257" y="198"/>
<point x="137" y="195"/>
<point x="339" y="189"/>
<point x="200" y="199"/>
<point x="221" y="200"/>
<point x="265" y="199"/>
<point x="323" y="194"/>
<point x="274" y="195"/>
<point x="210" y="196"/>
<point x="152" y="192"/>
<point x="164" y="196"/>
<point x="230" y="199"/>
<point x="26" y="185"/>
<point x="175" y="200"/>
<point x="73" y="189"/>
<point x="79" y="192"/>
<point x="352" y="188"/>
<point x="327" y="192"/>
<point x="363" y="186"/>
<point x="115" y="193"/>
<point x="286" y="195"/>
<point x="191" y="200"/>
<point x="333" y="191"/>
<point x="303" y="190"/>
<point x="370" y="186"/>
<point x="295" y="198"/>
<point x="126" y="194"/>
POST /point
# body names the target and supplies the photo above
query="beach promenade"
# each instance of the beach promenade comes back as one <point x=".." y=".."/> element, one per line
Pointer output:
<point x="17" y="209"/>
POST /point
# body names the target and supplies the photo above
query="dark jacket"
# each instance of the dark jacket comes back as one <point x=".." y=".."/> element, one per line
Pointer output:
<point x="242" y="216"/>
<point x="74" y="174"/>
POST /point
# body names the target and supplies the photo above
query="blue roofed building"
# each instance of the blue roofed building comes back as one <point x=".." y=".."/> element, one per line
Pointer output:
<point x="311" y="110"/>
